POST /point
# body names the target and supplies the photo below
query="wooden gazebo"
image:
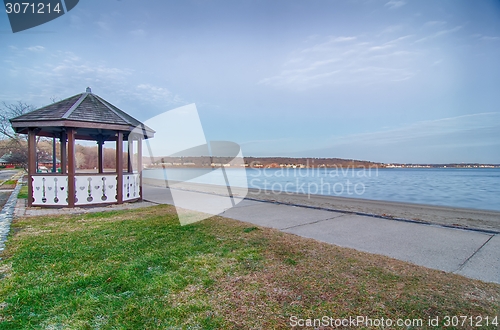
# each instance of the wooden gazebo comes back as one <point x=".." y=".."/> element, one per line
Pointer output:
<point x="84" y="116"/>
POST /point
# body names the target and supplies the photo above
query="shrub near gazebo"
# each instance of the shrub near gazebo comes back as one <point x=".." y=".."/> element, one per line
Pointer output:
<point x="88" y="117"/>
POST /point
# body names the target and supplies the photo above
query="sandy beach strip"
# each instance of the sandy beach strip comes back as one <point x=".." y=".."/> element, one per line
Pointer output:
<point x="441" y="215"/>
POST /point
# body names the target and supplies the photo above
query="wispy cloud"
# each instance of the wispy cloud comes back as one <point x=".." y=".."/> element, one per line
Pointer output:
<point x="399" y="39"/>
<point x="391" y="29"/>
<point x="103" y="25"/>
<point x="345" y="60"/>
<point x="36" y="48"/>
<point x="439" y="34"/>
<point x="377" y="48"/>
<point x="395" y="4"/>
<point x="342" y="39"/>
<point x="328" y="44"/>
<point x="489" y="38"/>
<point x="150" y="92"/>
<point x="138" y="33"/>
<point x="434" y="23"/>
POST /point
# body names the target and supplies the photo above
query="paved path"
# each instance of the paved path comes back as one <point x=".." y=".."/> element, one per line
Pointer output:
<point x="469" y="253"/>
<point x="8" y="200"/>
<point x="7" y="174"/>
<point x="6" y="215"/>
<point x="5" y="193"/>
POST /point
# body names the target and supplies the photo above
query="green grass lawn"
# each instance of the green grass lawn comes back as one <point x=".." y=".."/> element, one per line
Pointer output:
<point x="10" y="182"/>
<point x="141" y="270"/>
<point x="23" y="192"/>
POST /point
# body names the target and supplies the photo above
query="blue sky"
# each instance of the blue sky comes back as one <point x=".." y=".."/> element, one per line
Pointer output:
<point x="389" y="81"/>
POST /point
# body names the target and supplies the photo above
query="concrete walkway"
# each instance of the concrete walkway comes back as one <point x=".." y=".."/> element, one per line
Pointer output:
<point x="469" y="253"/>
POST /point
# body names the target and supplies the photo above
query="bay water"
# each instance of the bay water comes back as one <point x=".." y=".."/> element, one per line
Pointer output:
<point x="477" y="188"/>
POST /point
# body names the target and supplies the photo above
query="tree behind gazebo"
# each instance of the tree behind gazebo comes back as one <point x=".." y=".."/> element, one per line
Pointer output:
<point x="13" y="146"/>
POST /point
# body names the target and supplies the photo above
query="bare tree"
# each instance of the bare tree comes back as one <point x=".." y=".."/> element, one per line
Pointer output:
<point x="80" y="160"/>
<point x="9" y="111"/>
<point x="13" y="146"/>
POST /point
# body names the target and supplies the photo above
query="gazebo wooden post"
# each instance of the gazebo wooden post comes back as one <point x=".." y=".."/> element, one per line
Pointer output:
<point x="31" y="163"/>
<point x="71" y="167"/>
<point x="64" y="156"/>
<point x="139" y="165"/>
<point x="119" y="167"/>
<point x="54" y="158"/>
<point x="100" y="156"/>
<point x="130" y="156"/>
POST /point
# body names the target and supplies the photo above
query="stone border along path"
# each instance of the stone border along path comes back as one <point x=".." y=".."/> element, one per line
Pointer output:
<point x="7" y="213"/>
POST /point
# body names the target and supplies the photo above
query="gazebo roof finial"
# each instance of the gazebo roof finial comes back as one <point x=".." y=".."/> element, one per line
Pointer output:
<point x="88" y="90"/>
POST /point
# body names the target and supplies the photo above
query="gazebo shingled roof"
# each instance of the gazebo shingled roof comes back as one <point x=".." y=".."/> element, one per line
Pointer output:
<point x="86" y="111"/>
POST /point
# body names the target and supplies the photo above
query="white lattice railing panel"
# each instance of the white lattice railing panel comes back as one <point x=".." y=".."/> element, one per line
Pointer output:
<point x="95" y="189"/>
<point x="131" y="186"/>
<point x="50" y="190"/>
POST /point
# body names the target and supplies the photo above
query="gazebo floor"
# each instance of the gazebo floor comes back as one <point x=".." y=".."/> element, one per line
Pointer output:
<point x="22" y="210"/>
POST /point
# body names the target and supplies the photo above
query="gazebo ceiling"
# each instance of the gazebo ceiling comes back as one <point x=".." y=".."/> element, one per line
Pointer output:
<point x="91" y="116"/>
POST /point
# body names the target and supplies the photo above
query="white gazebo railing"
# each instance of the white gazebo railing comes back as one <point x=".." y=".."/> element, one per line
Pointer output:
<point x="90" y="189"/>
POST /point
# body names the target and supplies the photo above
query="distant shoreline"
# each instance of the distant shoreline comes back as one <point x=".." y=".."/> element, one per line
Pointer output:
<point x="332" y="167"/>
<point x="293" y="163"/>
